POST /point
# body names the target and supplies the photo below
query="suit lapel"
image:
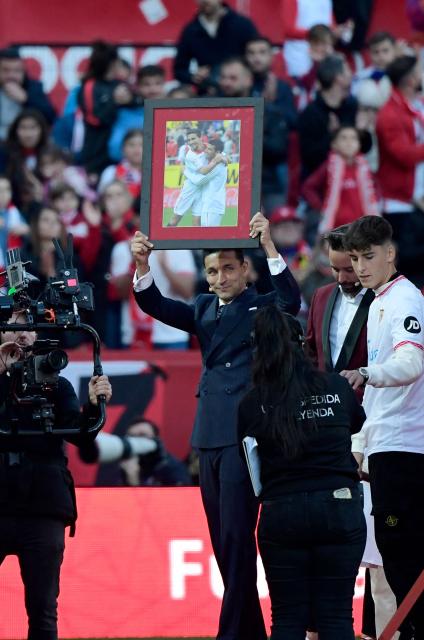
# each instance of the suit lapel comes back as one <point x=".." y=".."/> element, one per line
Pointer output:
<point x="351" y="339"/>
<point x="232" y="316"/>
<point x="209" y="317"/>
<point x="328" y="364"/>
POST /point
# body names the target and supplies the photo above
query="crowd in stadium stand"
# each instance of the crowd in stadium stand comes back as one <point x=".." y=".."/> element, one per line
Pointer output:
<point x="334" y="149"/>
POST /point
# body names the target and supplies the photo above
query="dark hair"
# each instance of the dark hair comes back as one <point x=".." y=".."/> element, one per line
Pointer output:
<point x="400" y="69"/>
<point x="238" y="254"/>
<point x="183" y="88"/>
<point x="10" y="53"/>
<point x="34" y="114"/>
<point x="367" y="231"/>
<point x="150" y="71"/>
<point x="131" y="133"/>
<point x="34" y="232"/>
<point x="194" y="131"/>
<point x="258" y="39"/>
<point x="284" y="377"/>
<point x="59" y="189"/>
<point x="217" y="143"/>
<point x="328" y="70"/>
<point x="55" y="153"/>
<point x="319" y="33"/>
<point x="379" y="37"/>
<point x="336" y="133"/>
<point x="236" y="60"/>
<point x="140" y="418"/>
<point x="102" y="56"/>
<point x="335" y="237"/>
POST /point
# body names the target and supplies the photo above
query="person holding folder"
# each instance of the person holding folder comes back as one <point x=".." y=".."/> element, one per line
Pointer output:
<point x="312" y="529"/>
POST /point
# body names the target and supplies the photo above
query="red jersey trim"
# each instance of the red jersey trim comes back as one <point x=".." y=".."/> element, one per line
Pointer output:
<point x="416" y="344"/>
<point x="398" y="279"/>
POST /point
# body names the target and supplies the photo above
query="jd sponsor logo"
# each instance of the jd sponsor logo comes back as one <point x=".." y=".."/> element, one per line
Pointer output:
<point x="412" y="325"/>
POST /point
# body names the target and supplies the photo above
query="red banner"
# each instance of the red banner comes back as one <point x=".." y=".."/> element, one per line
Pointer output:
<point x="140" y="565"/>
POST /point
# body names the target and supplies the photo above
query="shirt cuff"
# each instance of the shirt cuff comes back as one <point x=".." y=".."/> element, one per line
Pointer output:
<point x="276" y="265"/>
<point x="142" y="283"/>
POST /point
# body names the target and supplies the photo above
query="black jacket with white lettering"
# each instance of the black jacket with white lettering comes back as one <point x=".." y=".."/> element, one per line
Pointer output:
<point x="325" y="461"/>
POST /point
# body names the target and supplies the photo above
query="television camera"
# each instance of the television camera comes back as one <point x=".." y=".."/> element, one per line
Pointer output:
<point x="34" y="378"/>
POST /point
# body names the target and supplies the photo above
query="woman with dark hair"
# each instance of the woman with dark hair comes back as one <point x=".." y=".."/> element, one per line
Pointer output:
<point x="312" y="530"/>
<point x="100" y="96"/>
<point x="27" y="138"/>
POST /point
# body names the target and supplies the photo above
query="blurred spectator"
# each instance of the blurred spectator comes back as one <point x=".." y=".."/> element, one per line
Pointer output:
<point x="12" y="224"/>
<point x="215" y="34"/>
<point x="150" y="84"/>
<point x="342" y="187"/>
<point x="26" y="140"/>
<point x="236" y="81"/>
<point x="55" y="166"/>
<point x="382" y="49"/>
<point x="320" y="39"/>
<point x="82" y="219"/>
<point x="415" y="13"/>
<point x="259" y="57"/>
<point x="157" y="469"/>
<point x="99" y="98"/>
<point x="298" y="16"/>
<point x="39" y="249"/>
<point x="181" y="92"/>
<point x="18" y="91"/>
<point x="332" y="107"/>
<point x="129" y="169"/>
<point x="319" y="271"/>
<point x="280" y="109"/>
<point x="120" y="223"/>
<point x="400" y="131"/>
<point x="287" y="229"/>
<point x="174" y="272"/>
<point x="355" y="16"/>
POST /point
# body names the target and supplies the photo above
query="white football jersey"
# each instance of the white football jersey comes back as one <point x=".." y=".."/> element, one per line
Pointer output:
<point x="395" y="415"/>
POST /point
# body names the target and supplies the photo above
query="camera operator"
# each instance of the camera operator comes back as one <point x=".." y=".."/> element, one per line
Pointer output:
<point x="37" y="496"/>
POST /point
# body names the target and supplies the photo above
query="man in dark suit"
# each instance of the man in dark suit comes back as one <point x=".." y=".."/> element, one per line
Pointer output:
<point x="223" y="323"/>
<point x="337" y="324"/>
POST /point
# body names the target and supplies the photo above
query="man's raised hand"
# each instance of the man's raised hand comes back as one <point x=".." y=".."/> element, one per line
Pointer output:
<point x="141" y="249"/>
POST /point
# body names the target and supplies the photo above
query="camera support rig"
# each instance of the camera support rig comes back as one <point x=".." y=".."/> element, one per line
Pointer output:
<point x="36" y="375"/>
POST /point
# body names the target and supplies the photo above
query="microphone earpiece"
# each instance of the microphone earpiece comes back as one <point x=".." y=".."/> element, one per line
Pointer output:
<point x="357" y="284"/>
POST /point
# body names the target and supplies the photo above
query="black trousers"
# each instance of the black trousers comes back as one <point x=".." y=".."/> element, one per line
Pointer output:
<point x="397" y="491"/>
<point x="39" y="544"/>
<point x="232" y="510"/>
<point x="311" y="546"/>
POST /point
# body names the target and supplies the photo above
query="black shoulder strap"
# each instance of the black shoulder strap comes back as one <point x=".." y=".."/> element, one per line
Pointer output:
<point x="360" y="318"/>
<point x="328" y="363"/>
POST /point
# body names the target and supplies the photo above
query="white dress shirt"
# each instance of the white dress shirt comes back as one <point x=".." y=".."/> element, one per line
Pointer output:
<point x="344" y="311"/>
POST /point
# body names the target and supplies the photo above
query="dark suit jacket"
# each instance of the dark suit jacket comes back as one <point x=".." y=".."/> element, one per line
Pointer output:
<point x="354" y="351"/>
<point x="226" y="349"/>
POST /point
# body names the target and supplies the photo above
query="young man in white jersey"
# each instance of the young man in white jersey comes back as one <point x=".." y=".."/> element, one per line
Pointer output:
<point x="212" y="178"/>
<point x="190" y="196"/>
<point x="394" y="403"/>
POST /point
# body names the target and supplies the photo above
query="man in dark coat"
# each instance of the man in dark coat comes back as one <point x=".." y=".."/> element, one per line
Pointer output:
<point x="223" y="323"/>
<point x="215" y="34"/>
<point x="18" y="91"/>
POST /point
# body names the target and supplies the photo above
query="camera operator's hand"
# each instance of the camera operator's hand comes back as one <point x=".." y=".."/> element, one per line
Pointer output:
<point x="140" y="249"/>
<point x="10" y="352"/>
<point x="98" y="386"/>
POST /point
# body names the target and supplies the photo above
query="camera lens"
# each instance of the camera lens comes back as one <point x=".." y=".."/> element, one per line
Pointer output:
<point x="54" y="361"/>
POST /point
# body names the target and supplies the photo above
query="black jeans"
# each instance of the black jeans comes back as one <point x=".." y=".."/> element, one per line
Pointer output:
<point x="397" y="489"/>
<point x="38" y="543"/>
<point x="311" y="546"/>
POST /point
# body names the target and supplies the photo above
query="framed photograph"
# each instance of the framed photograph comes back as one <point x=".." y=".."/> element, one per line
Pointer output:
<point x="202" y="162"/>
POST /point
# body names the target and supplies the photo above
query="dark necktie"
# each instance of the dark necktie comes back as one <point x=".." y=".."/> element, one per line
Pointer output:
<point x="220" y="312"/>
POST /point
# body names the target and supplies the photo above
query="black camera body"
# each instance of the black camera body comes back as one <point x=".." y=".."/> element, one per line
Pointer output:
<point x="35" y="376"/>
<point x="40" y="367"/>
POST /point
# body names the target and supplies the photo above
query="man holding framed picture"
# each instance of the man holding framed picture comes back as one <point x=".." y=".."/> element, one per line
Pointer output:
<point x="223" y="323"/>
